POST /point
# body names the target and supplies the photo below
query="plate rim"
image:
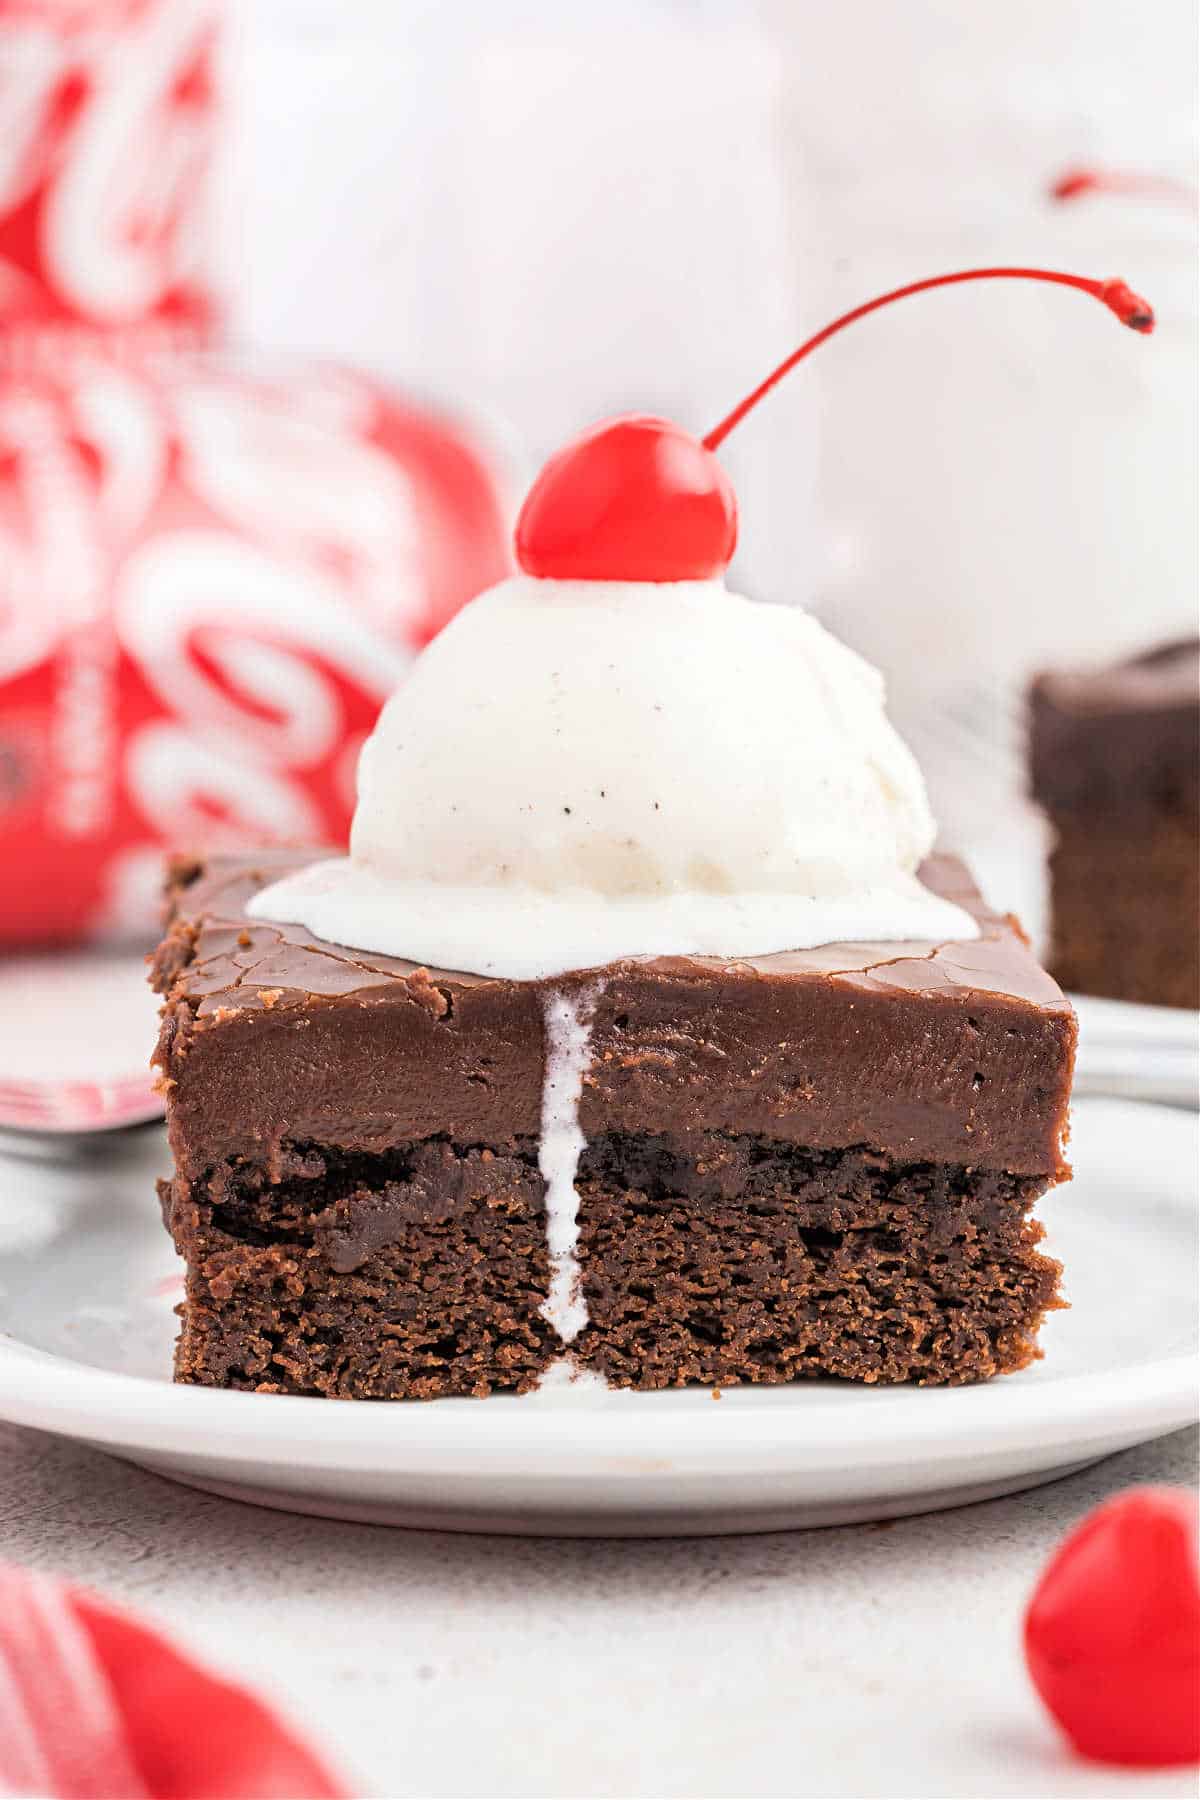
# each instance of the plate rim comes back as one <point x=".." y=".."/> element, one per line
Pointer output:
<point x="139" y="1412"/>
<point x="761" y="1427"/>
<point x="1132" y="1024"/>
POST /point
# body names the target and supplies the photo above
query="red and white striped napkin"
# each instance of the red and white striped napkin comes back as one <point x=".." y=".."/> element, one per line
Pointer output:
<point x="95" y="1705"/>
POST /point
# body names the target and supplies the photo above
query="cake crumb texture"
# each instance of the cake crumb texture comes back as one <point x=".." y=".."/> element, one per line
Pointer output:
<point x="708" y="1259"/>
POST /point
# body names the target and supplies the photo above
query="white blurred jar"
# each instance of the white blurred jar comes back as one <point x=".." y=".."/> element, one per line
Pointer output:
<point x="548" y="212"/>
<point x="1007" y="477"/>
<point x="1010" y="479"/>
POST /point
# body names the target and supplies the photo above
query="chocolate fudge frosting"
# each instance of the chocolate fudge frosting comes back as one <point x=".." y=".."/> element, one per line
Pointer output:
<point x="950" y="1052"/>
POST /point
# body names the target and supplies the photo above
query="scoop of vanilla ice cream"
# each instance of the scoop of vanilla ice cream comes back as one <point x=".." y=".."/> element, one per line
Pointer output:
<point x="575" y="772"/>
<point x="638" y="740"/>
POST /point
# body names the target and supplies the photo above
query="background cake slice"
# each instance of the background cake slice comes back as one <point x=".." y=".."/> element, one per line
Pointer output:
<point x="1115" y="765"/>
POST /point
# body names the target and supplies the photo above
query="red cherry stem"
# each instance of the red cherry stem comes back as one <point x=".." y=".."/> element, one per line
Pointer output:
<point x="1073" y="183"/>
<point x="1121" y="300"/>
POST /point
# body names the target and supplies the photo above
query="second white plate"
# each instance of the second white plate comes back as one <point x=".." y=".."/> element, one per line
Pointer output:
<point x="1137" y="1052"/>
<point x="88" y="1281"/>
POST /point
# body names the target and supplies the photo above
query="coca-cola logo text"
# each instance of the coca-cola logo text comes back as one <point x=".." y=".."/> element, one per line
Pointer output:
<point x="107" y="117"/>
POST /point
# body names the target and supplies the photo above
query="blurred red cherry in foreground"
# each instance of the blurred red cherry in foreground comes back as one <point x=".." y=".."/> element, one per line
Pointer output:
<point x="638" y="498"/>
<point x="1112" y="1634"/>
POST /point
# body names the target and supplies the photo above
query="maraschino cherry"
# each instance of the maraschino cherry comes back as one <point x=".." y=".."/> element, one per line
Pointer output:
<point x="637" y="498"/>
<point x="1112" y="1635"/>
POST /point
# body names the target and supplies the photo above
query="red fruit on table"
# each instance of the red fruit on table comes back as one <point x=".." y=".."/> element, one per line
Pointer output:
<point x="1112" y="1634"/>
<point x="637" y="498"/>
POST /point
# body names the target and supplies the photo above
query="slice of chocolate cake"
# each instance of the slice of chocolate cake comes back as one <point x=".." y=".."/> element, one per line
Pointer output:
<point x="818" y="1162"/>
<point x="1115" y="765"/>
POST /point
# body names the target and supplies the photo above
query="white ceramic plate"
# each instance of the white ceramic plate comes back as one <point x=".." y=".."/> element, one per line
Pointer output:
<point x="1138" y="1052"/>
<point x="88" y="1282"/>
<point x="62" y="1074"/>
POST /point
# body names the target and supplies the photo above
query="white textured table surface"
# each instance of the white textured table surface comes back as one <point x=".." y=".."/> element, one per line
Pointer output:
<point x="869" y="1661"/>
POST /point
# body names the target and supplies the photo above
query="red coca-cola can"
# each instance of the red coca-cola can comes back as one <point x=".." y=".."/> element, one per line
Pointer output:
<point x="108" y="117"/>
<point x="210" y="578"/>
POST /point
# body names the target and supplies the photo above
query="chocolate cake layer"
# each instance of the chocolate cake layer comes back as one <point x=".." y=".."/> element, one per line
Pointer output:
<point x="707" y="1258"/>
<point x="1126" y="912"/>
<point x="957" y="1053"/>
<point x="383" y="1278"/>
<point x="1115" y="764"/>
<point x="781" y="1263"/>
<point x="1121" y="741"/>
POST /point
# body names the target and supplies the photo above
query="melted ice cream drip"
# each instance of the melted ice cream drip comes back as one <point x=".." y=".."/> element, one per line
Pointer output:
<point x="568" y="1045"/>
